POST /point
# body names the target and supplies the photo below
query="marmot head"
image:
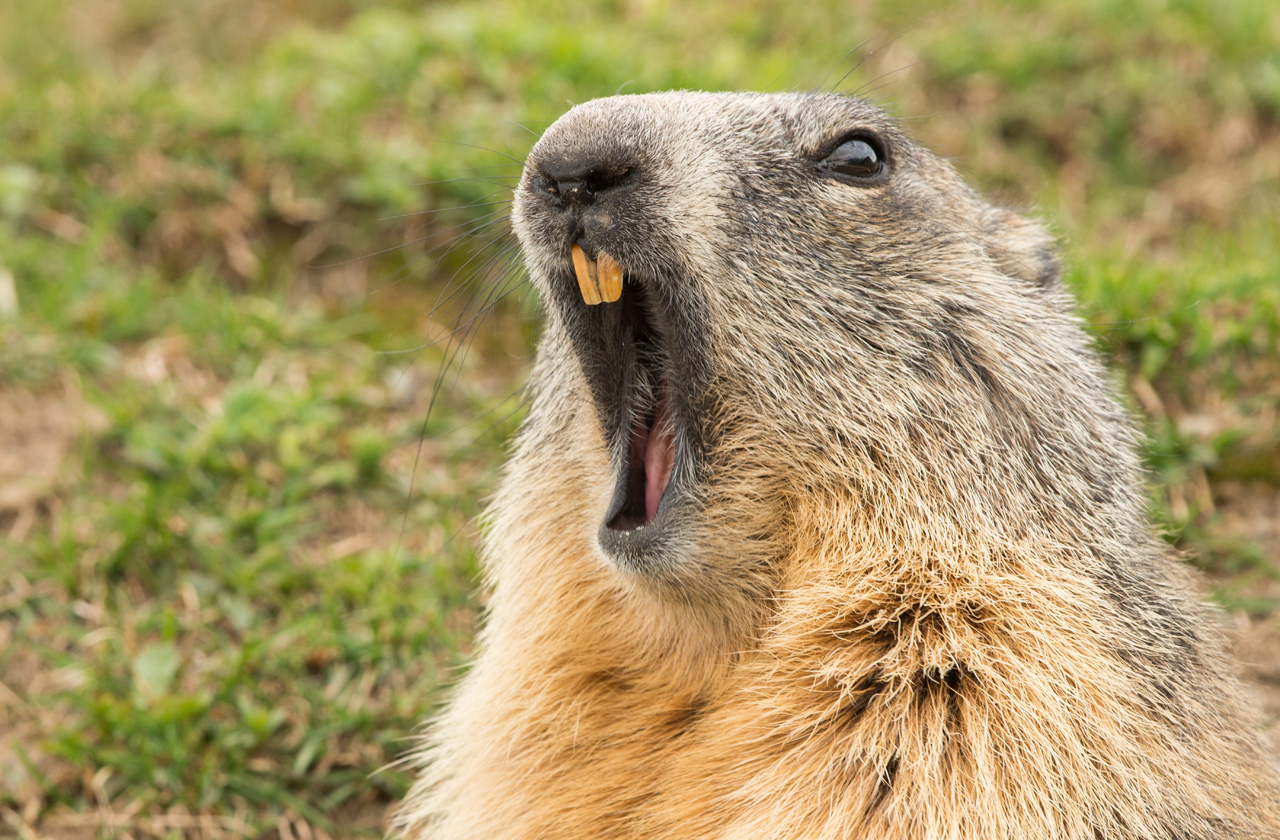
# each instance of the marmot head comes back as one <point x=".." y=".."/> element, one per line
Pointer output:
<point x="808" y="305"/>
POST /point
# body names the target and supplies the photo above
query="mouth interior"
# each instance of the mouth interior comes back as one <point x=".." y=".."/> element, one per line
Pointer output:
<point x="650" y="450"/>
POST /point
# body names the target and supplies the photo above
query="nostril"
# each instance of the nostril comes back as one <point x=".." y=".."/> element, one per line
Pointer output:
<point x="604" y="179"/>
<point x="579" y="182"/>
<point x="575" y="191"/>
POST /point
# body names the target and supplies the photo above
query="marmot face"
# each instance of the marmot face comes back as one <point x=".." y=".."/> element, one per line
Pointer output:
<point x="807" y="300"/>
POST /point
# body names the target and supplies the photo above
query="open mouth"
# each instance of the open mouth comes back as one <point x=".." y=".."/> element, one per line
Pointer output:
<point x="651" y="451"/>
<point x="633" y="391"/>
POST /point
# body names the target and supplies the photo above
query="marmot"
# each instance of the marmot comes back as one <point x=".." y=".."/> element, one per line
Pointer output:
<point x="824" y="521"/>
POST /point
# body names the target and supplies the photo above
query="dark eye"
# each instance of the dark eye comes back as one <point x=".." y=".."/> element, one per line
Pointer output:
<point x="858" y="158"/>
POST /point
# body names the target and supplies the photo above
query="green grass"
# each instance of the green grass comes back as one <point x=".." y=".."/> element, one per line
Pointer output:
<point x="239" y="563"/>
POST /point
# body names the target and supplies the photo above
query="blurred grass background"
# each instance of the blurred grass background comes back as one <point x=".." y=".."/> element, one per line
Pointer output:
<point x="237" y="558"/>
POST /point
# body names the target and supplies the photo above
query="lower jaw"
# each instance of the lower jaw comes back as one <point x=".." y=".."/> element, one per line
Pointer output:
<point x="651" y="552"/>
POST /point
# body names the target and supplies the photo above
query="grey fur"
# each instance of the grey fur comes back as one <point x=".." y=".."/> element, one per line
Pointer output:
<point x="902" y="584"/>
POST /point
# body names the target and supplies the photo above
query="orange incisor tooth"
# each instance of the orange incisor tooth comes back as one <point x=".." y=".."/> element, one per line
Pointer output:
<point x="586" y="271"/>
<point x="609" y="278"/>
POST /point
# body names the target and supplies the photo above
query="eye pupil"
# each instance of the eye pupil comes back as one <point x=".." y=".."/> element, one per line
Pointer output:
<point x="855" y="158"/>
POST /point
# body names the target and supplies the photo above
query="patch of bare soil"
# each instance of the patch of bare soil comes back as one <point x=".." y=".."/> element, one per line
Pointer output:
<point x="110" y="822"/>
<point x="1258" y="646"/>
<point x="36" y="431"/>
<point x="1251" y="511"/>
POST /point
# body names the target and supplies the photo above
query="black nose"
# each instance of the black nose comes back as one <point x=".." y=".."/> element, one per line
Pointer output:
<point x="578" y="182"/>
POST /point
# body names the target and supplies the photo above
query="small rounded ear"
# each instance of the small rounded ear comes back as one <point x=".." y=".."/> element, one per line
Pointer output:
<point x="1022" y="248"/>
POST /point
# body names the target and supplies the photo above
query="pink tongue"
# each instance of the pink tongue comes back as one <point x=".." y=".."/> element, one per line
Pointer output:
<point x="659" y="456"/>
